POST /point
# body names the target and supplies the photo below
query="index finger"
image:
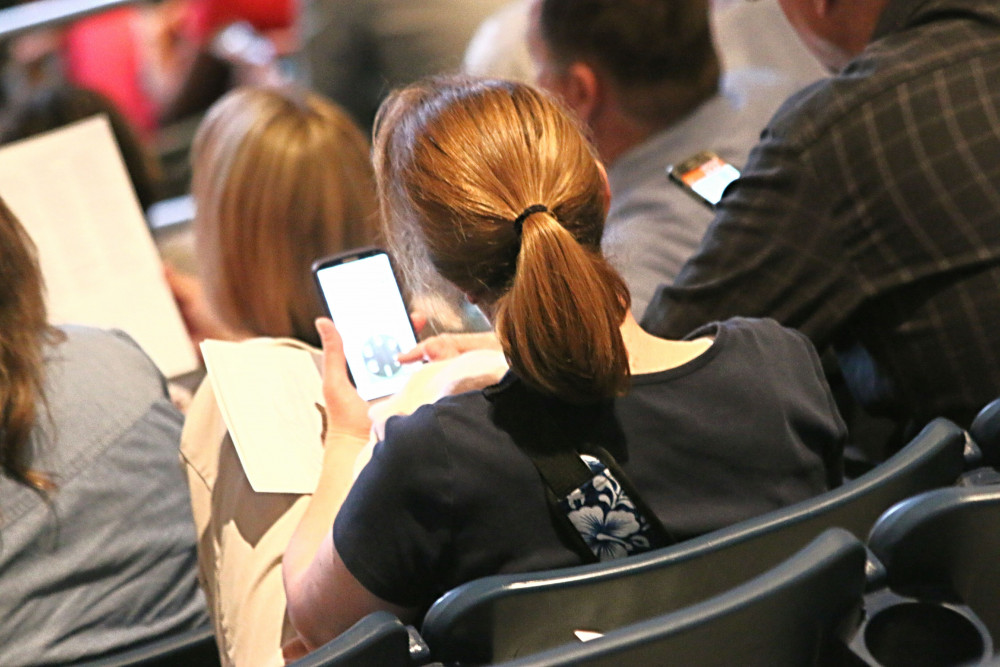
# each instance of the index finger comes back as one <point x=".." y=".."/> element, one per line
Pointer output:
<point x="414" y="354"/>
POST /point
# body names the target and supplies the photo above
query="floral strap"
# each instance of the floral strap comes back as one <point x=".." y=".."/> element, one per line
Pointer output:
<point x="594" y="506"/>
<point x="601" y="513"/>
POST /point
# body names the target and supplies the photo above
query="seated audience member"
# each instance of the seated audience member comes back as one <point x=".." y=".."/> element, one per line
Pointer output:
<point x="106" y="52"/>
<point x="646" y="79"/>
<point x="156" y="62"/>
<point x="97" y="548"/>
<point x="491" y="186"/>
<point x="192" y="63"/>
<point x="52" y="108"/>
<point x="867" y="216"/>
<point x="358" y="50"/>
<point x="280" y="178"/>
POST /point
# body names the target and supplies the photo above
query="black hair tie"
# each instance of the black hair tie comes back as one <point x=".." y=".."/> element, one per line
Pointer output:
<point x="526" y="213"/>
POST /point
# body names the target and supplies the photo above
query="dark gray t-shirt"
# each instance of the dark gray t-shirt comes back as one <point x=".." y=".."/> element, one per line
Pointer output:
<point x="449" y="496"/>
<point x="110" y="562"/>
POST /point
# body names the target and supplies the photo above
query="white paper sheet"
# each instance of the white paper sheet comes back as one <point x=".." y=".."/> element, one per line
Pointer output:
<point x="267" y="394"/>
<point x="72" y="193"/>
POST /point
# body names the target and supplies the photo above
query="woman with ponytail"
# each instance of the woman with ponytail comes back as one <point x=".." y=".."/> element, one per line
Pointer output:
<point x="491" y="187"/>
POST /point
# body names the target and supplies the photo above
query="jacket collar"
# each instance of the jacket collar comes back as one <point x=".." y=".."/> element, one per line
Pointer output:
<point x="901" y="14"/>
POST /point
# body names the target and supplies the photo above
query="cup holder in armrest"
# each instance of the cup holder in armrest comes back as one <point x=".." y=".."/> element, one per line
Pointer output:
<point x="904" y="632"/>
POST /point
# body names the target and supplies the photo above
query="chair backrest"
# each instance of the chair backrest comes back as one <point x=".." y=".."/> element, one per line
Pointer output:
<point x="502" y="616"/>
<point x="377" y="640"/>
<point x="793" y="614"/>
<point x="944" y="546"/>
<point x="196" y="648"/>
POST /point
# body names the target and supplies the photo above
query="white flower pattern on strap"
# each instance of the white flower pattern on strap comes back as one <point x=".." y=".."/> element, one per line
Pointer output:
<point x="605" y="516"/>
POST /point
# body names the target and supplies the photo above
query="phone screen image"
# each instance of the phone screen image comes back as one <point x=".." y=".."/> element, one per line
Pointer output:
<point x="364" y="301"/>
<point x="707" y="175"/>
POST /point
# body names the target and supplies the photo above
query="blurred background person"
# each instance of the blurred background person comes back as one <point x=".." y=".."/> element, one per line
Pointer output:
<point x="499" y="47"/>
<point x="161" y="62"/>
<point x="98" y="546"/>
<point x="747" y="35"/>
<point x="53" y="107"/>
<point x="356" y="51"/>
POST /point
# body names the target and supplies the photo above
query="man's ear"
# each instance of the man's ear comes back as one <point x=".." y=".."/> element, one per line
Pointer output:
<point x="582" y="90"/>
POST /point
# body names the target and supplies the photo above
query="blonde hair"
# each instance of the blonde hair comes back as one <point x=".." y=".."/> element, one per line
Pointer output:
<point x="24" y="330"/>
<point x="457" y="161"/>
<point x="279" y="180"/>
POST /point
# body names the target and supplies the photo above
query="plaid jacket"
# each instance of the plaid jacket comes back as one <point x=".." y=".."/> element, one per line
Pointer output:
<point x="868" y="217"/>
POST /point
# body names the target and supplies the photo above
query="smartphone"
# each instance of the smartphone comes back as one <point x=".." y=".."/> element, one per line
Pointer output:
<point x="362" y="297"/>
<point x="704" y="175"/>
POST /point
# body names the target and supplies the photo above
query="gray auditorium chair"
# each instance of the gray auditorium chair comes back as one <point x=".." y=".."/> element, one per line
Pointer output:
<point x="796" y="613"/>
<point x="985" y="432"/>
<point x="499" y="617"/>
<point x="935" y="597"/>
<point x="377" y="640"/>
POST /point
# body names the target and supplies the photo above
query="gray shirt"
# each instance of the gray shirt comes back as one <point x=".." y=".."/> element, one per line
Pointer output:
<point x="110" y="561"/>
<point x="653" y="225"/>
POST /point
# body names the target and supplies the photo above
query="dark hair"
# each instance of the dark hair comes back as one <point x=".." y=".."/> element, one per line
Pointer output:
<point x="23" y="331"/>
<point x="457" y="161"/>
<point x="51" y="108"/>
<point x="641" y="44"/>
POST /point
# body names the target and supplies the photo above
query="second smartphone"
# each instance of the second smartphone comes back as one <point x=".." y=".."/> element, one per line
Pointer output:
<point x="704" y="175"/>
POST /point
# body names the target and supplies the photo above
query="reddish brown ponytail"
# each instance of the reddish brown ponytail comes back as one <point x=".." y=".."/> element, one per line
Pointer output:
<point x="457" y="162"/>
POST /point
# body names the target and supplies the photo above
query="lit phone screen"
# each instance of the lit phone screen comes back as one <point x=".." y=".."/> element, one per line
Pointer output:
<point x="364" y="301"/>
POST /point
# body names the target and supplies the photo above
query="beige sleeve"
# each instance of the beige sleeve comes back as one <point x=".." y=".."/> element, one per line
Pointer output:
<point x="241" y="538"/>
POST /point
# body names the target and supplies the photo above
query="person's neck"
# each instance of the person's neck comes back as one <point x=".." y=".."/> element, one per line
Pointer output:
<point x="649" y="354"/>
<point x="616" y="137"/>
<point x="616" y="131"/>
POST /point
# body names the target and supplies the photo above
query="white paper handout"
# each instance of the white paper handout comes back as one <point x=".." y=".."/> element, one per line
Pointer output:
<point x="267" y="391"/>
<point x="70" y="189"/>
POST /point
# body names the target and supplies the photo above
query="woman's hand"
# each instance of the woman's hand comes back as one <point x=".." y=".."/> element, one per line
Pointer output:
<point x="346" y="411"/>
<point x="199" y="318"/>
<point x="448" y="346"/>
